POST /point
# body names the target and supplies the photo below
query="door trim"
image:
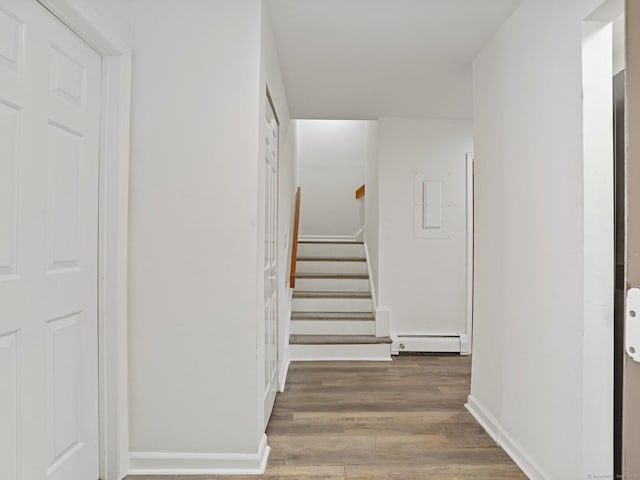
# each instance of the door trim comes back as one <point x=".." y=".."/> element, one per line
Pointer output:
<point x="113" y="230"/>
<point x="631" y="375"/>
<point x="268" y="381"/>
<point x="467" y="341"/>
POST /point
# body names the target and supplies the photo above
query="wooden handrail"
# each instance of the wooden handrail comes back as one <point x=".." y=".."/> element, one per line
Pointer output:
<point x="294" y="240"/>
<point x="360" y="192"/>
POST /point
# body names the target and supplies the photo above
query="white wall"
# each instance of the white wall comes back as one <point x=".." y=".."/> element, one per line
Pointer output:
<point x="194" y="307"/>
<point x="371" y="234"/>
<point x="422" y="282"/>
<point x="332" y="156"/>
<point x="619" y="50"/>
<point x="116" y="14"/>
<point x="201" y="73"/>
<point x="527" y="374"/>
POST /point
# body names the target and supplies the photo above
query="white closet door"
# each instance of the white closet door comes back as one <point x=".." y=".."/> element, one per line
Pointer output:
<point x="49" y="155"/>
<point x="271" y="261"/>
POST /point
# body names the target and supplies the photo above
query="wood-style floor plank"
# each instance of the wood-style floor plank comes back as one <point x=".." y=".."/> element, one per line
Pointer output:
<point x="399" y="420"/>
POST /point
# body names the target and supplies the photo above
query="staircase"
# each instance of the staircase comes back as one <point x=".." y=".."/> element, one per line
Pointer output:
<point x="332" y="314"/>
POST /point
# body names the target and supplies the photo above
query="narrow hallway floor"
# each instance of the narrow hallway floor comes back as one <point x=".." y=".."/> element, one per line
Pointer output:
<point x="400" y="420"/>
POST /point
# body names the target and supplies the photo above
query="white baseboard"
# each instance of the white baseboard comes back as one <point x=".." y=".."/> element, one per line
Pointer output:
<point x="465" y="344"/>
<point x="426" y="343"/>
<point x="170" y="463"/>
<point x="484" y="418"/>
<point x="328" y="353"/>
<point x="283" y="372"/>
<point x="505" y="441"/>
<point x="326" y="238"/>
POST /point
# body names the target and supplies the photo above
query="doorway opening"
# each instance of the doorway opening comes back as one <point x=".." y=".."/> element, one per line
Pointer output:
<point x="602" y="62"/>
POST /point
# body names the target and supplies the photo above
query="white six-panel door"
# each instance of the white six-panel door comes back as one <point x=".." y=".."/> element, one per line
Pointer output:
<point x="271" y="260"/>
<point x="49" y="154"/>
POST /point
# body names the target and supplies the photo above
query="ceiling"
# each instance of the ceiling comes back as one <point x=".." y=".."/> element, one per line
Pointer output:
<point x="364" y="59"/>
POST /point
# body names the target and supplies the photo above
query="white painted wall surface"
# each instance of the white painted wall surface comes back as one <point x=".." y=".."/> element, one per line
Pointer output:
<point x="194" y="227"/>
<point x="619" y="50"/>
<point x="421" y="281"/>
<point x="332" y="156"/>
<point x="116" y="14"/>
<point x="371" y="234"/>
<point x="529" y="271"/>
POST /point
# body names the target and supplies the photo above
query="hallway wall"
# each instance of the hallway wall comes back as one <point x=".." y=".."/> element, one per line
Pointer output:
<point x="529" y="271"/>
<point x="193" y="226"/>
<point x="422" y="282"/>
<point x="197" y="233"/>
<point x="332" y="157"/>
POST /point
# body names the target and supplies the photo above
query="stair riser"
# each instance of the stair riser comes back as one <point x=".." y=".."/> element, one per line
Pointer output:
<point x="332" y="284"/>
<point x="330" y="250"/>
<point x="339" y="352"/>
<point x="332" y="305"/>
<point x="331" y="267"/>
<point x="329" y="327"/>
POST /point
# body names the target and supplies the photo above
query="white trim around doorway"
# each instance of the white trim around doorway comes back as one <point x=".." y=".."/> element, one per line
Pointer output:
<point x="466" y="340"/>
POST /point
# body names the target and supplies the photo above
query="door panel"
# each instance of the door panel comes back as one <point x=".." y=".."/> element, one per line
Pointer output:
<point x="271" y="260"/>
<point x="49" y="158"/>
<point x="9" y="118"/>
<point x="631" y="382"/>
<point x="9" y="406"/>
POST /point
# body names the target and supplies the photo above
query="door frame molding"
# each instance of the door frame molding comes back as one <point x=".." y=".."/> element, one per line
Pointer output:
<point x="271" y="104"/>
<point x="631" y="382"/>
<point x="113" y="229"/>
<point x="466" y="340"/>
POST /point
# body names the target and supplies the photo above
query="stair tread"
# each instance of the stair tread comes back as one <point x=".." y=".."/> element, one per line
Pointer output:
<point x="331" y="259"/>
<point x="320" y="294"/>
<point x="333" y="276"/>
<point x="333" y="316"/>
<point x="332" y="242"/>
<point x="338" y="340"/>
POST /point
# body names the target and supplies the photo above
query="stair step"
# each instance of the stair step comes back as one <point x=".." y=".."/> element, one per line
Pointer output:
<point x="306" y="294"/>
<point x="331" y="250"/>
<point x="333" y="327"/>
<point x="332" y="316"/>
<point x="331" y="259"/>
<point x="340" y="266"/>
<point x="332" y="283"/>
<point x="333" y="276"/>
<point x="380" y="352"/>
<point x="324" y="242"/>
<point x="338" y="340"/>
<point x="332" y="304"/>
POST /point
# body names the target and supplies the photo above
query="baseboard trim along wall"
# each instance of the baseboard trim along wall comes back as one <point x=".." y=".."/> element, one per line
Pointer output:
<point x="170" y="463"/>
<point x="505" y="441"/>
<point x="283" y="372"/>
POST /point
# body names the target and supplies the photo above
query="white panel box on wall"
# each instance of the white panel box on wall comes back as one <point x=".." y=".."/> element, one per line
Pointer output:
<point x="432" y="205"/>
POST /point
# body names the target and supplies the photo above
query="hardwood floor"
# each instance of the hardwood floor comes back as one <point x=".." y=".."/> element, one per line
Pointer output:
<point x="401" y="420"/>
